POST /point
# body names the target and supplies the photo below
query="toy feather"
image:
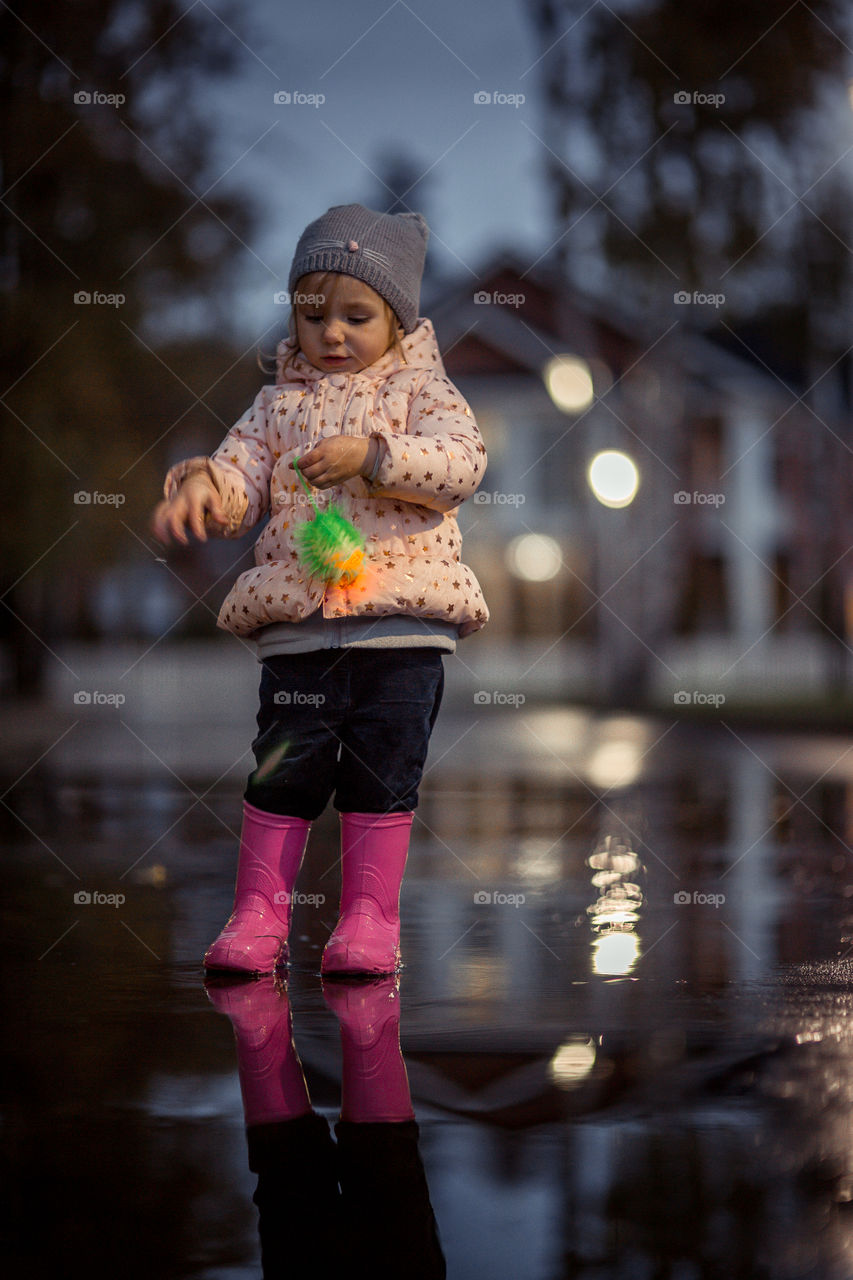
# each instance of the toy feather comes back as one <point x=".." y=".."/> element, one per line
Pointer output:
<point x="329" y="545"/>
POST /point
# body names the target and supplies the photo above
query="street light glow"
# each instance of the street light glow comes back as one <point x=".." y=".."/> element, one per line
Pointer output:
<point x="534" y="557"/>
<point x="613" y="478"/>
<point x="569" y="383"/>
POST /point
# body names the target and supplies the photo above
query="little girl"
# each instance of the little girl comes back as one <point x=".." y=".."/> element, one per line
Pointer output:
<point x="352" y="675"/>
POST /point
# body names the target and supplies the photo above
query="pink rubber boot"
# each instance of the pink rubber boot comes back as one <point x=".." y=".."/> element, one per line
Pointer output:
<point x="374" y="847"/>
<point x="374" y="1084"/>
<point x="271" y="1079"/>
<point x="254" y="939"/>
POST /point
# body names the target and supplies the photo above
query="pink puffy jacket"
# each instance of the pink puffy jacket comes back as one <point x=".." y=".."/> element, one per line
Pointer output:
<point x="432" y="459"/>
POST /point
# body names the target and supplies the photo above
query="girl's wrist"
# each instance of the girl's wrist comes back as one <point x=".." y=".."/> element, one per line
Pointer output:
<point x="373" y="458"/>
<point x="201" y="472"/>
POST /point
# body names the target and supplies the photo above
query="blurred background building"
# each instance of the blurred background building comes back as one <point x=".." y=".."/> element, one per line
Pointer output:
<point x="635" y="254"/>
<point x="725" y="571"/>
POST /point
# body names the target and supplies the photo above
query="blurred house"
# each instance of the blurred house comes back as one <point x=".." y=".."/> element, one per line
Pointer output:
<point x="725" y="574"/>
<point x="725" y="579"/>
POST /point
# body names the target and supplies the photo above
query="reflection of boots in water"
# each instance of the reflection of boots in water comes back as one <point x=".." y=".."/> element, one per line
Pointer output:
<point x="271" y="1078"/>
<point x="378" y="1160"/>
<point x="290" y="1146"/>
<point x="298" y="1199"/>
<point x="374" y="1085"/>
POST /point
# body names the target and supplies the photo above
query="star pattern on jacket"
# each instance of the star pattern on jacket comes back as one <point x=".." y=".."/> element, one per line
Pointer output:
<point x="397" y="403"/>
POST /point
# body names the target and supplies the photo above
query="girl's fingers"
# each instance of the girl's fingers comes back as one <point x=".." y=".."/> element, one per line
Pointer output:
<point x="176" y="526"/>
<point x="167" y="525"/>
<point x="160" y="524"/>
<point x="196" y="516"/>
<point x="213" y="510"/>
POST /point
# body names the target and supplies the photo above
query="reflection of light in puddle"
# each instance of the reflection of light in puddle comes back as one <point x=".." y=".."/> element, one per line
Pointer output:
<point x="537" y="860"/>
<point x="615" y="913"/>
<point x="614" y="859"/>
<point x="572" y="1062"/>
<point x="478" y="978"/>
<point x="616" y="909"/>
<point x="615" y="953"/>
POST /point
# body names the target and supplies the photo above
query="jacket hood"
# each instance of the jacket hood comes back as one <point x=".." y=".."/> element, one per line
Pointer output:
<point x="420" y="347"/>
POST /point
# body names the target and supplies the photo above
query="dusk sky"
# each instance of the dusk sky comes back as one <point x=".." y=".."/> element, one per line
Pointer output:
<point x="394" y="77"/>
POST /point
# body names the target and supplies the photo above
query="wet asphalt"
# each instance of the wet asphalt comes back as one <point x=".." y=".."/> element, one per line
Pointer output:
<point x="624" y="1015"/>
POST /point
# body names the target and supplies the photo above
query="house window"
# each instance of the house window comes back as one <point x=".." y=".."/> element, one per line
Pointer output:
<point x="704" y="599"/>
<point x="706" y="454"/>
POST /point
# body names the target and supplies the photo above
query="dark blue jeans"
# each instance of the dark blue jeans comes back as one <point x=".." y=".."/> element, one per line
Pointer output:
<point x="353" y="722"/>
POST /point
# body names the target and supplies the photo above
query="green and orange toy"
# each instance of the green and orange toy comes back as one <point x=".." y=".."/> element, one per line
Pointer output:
<point x="330" y="547"/>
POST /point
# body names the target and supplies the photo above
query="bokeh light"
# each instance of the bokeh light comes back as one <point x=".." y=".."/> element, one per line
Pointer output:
<point x="615" y="763"/>
<point x="613" y="478"/>
<point x="569" y="383"/>
<point x="534" y="557"/>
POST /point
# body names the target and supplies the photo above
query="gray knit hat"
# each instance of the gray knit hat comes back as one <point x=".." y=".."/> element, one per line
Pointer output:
<point x="385" y="250"/>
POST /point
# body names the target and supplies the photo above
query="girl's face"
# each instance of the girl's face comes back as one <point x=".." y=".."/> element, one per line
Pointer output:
<point x="346" y="332"/>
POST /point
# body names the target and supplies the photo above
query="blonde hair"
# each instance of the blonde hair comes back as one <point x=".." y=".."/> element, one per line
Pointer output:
<point x="325" y="284"/>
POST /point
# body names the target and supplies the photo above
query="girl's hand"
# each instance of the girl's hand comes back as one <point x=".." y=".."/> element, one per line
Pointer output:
<point x="196" y="502"/>
<point x="338" y="458"/>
